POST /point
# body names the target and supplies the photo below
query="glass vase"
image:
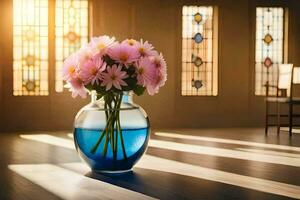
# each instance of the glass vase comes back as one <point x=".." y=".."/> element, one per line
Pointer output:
<point x="112" y="133"/>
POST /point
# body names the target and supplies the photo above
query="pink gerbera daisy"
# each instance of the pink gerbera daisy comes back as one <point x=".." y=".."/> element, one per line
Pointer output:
<point x="90" y="71"/>
<point x="145" y="49"/>
<point x="77" y="87"/>
<point x="145" y="71"/>
<point x="160" y="76"/>
<point x="159" y="61"/>
<point x="114" y="77"/>
<point x="161" y="66"/>
<point x="123" y="53"/>
<point x="70" y="67"/>
<point x="101" y="44"/>
<point x="158" y="81"/>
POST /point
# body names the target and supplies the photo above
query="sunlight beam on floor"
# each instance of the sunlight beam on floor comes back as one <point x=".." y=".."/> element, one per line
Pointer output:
<point x="287" y="129"/>
<point x="263" y="185"/>
<point x="70" y="185"/>
<point x="221" y="152"/>
<point x="180" y="168"/>
<point x="49" y="139"/>
<point x="226" y="141"/>
<point x="269" y="152"/>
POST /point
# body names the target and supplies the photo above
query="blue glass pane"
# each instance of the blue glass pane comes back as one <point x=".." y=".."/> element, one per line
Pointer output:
<point x="198" y="38"/>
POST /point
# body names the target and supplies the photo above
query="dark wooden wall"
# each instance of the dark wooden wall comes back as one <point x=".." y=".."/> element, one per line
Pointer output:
<point x="158" y="21"/>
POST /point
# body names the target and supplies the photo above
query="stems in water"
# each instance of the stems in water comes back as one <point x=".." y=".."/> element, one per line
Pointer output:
<point x="112" y="104"/>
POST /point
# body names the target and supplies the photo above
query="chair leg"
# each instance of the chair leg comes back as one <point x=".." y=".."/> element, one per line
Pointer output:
<point x="278" y="118"/>
<point x="290" y="119"/>
<point x="267" y="119"/>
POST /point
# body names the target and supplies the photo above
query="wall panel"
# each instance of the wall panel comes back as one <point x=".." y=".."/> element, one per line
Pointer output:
<point x="160" y="23"/>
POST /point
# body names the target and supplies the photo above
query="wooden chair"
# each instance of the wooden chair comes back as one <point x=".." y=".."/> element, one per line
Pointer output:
<point x="286" y="81"/>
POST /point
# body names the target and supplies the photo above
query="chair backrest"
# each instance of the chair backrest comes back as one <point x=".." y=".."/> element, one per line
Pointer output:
<point x="295" y="85"/>
<point x="285" y="76"/>
<point x="296" y="76"/>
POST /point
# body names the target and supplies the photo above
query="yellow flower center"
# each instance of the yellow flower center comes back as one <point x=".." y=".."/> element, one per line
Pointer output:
<point x="71" y="69"/>
<point x="113" y="77"/>
<point x="141" y="70"/>
<point x="93" y="71"/>
<point x="101" y="46"/>
<point x="142" y="51"/>
<point x="131" y="42"/>
<point x="123" y="57"/>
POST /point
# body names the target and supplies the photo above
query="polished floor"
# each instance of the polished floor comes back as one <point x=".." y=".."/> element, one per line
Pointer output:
<point x="233" y="163"/>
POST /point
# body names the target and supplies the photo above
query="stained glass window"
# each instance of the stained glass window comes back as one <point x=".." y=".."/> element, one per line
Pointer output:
<point x="71" y="32"/>
<point x="30" y="47"/>
<point x="269" y="48"/>
<point x="199" y="51"/>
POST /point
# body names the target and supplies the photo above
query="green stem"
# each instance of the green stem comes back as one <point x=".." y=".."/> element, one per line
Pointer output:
<point x="111" y="112"/>
<point x="104" y="132"/>
<point x="105" y="109"/>
<point x="109" y="126"/>
<point x="105" y="145"/>
<point x="93" y="150"/>
<point x="116" y="103"/>
<point x="120" y="131"/>
<point x="116" y="144"/>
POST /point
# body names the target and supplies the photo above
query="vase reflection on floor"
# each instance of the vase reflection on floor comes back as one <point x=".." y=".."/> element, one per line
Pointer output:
<point x="130" y="144"/>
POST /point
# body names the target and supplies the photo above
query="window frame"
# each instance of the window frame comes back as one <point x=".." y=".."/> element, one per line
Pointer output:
<point x="51" y="55"/>
<point x="285" y="41"/>
<point x="215" y="51"/>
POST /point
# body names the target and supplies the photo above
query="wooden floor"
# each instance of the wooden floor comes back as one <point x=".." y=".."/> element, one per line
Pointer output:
<point x="179" y="164"/>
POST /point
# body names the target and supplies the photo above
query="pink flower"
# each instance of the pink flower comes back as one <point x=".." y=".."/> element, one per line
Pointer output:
<point x="101" y="44"/>
<point x="130" y="42"/>
<point x="157" y="82"/>
<point x="145" y="49"/>
<point x="161" y="65"/>
<point x="70" y="67"/>
<point x="160" y="76"/>
<point x="146" y="71"/>
<point x="85" y="53"/>
<point x="114" y="77"/>
<point x="159" y="61"/>
<point x="77" y="87"/>
<point x="123" y="53"/>
<point x="90" y="71"/>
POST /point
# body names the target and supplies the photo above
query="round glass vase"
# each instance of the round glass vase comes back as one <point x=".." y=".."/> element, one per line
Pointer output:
<point x="111" y="137"/>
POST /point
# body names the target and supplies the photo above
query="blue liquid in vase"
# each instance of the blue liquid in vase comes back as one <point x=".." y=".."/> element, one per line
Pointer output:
<point x="135" y="142"/>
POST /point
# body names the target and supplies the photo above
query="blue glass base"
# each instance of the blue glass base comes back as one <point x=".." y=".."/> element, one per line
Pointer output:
<point x="135" y="142"/>
<point x="112" y="172"/>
